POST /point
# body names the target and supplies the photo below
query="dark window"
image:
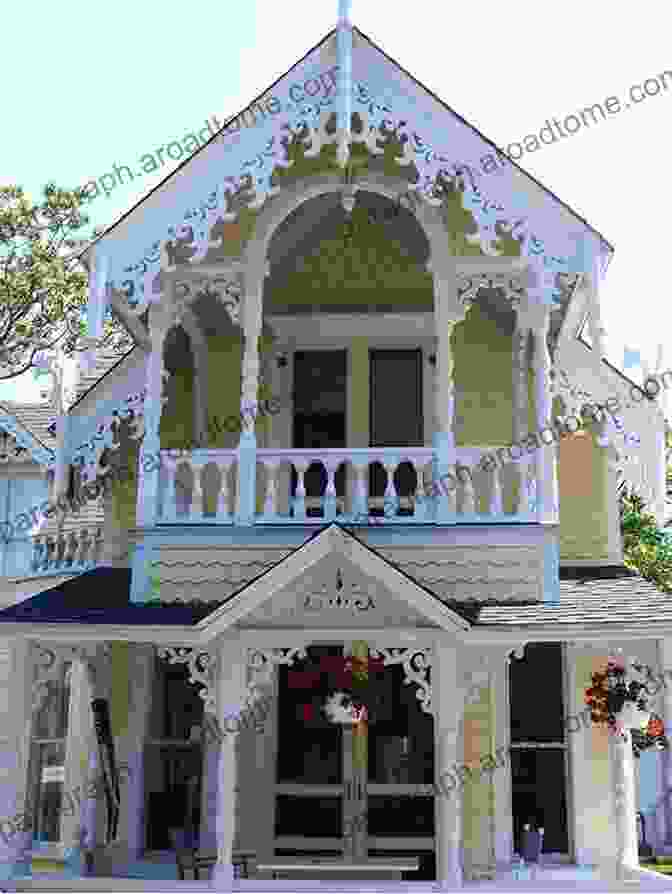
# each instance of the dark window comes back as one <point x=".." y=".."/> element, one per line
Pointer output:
<point x="537" y="709"/>
<point x="538" y="747"/>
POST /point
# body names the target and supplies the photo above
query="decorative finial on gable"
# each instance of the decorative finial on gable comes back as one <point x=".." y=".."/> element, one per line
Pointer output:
<point x="344" y="81"/>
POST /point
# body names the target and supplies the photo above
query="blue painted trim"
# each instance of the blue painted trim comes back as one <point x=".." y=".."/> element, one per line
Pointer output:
<point x="552" y="572"/>
<point x="141" y="586"/>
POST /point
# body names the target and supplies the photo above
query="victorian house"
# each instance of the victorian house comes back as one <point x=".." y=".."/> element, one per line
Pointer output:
<point x="335" y="311"/>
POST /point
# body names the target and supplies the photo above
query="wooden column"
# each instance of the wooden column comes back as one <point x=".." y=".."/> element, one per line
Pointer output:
<point x="623" y="775"/>
<point x="230" y="694"/>
<point x="520" y="344"/>
<point x="160" y="320"/>
<point x="665" y="811"/>
<point x="247" y="448"/>
<point x="448" y="703"/>
<point x="447" y="314"/>
<point x="534" y="315"/>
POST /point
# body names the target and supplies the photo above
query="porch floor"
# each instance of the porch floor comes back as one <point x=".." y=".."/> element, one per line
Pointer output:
<point x="550" y="878"/>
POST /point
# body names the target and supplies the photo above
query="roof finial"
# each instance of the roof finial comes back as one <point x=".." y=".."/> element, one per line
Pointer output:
<point x="344" y="81"/>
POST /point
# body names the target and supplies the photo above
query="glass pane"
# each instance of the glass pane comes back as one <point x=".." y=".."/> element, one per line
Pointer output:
<point x="401" y="734"/>
<point x="176" y="704"/>
<point x="51" y="721"/>
<point x="309" y="746"/>
<point x="173" y="778"/>
<point x="537" y="710"/>
<point x="400" y="816"/>
<point x="49" y="774"/>
<point x="538" y="795"/>
<point x="319" y="817"/>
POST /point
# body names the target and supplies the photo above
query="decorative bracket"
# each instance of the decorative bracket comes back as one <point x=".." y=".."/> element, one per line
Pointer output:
<point x="202" y="671"/>
<point x="470" y="284"/>
<point x="49" y="662"/>
<point x="416" y="663"/>
<point x="478" y="676"/>
<point x="261" y="664"/>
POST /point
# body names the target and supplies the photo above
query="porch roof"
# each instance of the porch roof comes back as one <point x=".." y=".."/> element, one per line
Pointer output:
<point x="101" y="596"/>
<point x="608" y="595"/>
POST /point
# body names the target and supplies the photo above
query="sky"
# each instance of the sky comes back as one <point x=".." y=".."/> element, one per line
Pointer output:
<point x="131" y="78"/>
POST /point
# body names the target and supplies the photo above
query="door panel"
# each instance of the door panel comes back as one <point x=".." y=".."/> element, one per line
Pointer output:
<point x="395" y="409"/>
<point x="331" y="797"/>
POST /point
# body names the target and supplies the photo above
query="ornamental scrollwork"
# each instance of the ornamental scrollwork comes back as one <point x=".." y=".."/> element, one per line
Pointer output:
<point x="416" y="663"/>
<point x="469" y="285"/>
<point x="48" y="664"/>
<point x="261" y="664"/>
<point x="202" y="667"/>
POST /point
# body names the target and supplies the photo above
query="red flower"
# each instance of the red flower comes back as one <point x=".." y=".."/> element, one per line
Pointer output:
<point x="656" y="727"/>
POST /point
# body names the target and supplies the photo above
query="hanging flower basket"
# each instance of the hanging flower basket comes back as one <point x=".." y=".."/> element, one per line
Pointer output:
<point x="618" y="697"/>
<point x="342" y="708"/>
<point x="350" y="704"/>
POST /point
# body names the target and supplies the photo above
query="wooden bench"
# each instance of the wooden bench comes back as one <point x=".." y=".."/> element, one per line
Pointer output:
<point x="190" y="859"/>
<point x="339" y="865"/>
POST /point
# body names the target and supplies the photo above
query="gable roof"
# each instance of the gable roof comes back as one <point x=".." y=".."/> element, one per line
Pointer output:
<point x="248" y="109"/>
<point x="234" y="169"/>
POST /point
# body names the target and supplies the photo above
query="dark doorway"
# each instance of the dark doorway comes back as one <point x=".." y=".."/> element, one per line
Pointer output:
<point x="395" y="415"/>
<point x="319" y="399"/>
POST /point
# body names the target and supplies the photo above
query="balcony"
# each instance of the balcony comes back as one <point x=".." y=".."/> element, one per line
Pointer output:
<point x="363" y="486"/>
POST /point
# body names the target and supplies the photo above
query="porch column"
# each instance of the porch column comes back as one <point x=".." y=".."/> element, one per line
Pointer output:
<point x="16" y="716"/>
<point x="623" y="770"/>
<point x="664" y="813"/>
<point x="520" y="345"/>
<point x="231" y="671"/>
<point x="142" y="662"/>
<point x="499" y="682"/>
<point x="448" y="703"/>
<point x="160" y="321"/>
<point x="78" y="747"/>
<point x="247" y="448"/>
<point x="448" y="312"/>
<point x="535" y="315"/>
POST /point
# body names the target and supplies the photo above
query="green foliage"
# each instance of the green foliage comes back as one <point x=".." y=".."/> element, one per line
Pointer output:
<point x="43" y="282"/>
<point x="646" y="549"/>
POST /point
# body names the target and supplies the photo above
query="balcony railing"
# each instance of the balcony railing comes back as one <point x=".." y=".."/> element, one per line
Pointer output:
<point x="351" y="485"/>
<point x="68" y="553"/>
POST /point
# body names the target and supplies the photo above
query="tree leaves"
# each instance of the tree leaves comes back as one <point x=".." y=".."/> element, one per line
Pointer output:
<point x="43" y="279"/>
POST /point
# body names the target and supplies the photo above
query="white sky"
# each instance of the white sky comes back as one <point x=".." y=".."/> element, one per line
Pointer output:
<point x="105" y="85"/>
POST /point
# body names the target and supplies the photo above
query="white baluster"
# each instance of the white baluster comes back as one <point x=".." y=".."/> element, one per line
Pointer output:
<point x="170" y="496"/>
<point x="468" y="493"/>
<point x="96" y="547"/>
<point x="496" y="504"/>
<point x="71" y="549"/>
<point x="300" y="499"/>
<point x="223" y="514"/>
<point x="422" y="501"/>
<point x="271" y="498"/>
<point x="390" y="497"/>
<point x="361" y="499"/>
<point x="37" y="550"/>
<point x="330" y="492"/>
<point x="84" y="544"/>
<point x="196" y="513"/>
<point x="50" y="549"/>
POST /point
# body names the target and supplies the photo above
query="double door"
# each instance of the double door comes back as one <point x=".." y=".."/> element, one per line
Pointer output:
<point x="351" y="791"/>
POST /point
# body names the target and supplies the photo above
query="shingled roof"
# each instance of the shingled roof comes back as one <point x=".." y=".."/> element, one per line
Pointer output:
<point x="608" y="596"/>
